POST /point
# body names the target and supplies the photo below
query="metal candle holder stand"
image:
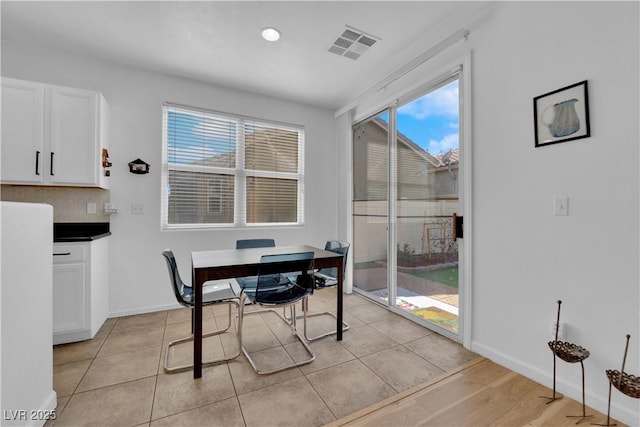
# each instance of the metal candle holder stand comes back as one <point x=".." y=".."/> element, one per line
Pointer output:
<point x="570" y="353"/>
<point x="626" y="383"/>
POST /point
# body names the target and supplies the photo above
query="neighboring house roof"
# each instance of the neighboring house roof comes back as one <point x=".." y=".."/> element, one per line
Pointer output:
<point x="439" y="161"/>
<point x="450" y="158"/>
<point x="409" y="143"/>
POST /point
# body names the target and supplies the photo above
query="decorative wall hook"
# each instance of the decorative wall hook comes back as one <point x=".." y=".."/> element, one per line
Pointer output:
<point x="139" y="166"/>
<point x="106" y="164"/>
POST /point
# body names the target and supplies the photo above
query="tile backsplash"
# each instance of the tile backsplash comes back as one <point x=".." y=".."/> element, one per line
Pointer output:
<point x="69" y="203"/>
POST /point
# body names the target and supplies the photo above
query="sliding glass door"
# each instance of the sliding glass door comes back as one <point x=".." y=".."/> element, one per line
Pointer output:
<point x="371" y="205"/>
<point x="406" y="168"/>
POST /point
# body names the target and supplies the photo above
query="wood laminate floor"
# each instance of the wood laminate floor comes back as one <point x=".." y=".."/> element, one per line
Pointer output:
<point x="481" y="393"/>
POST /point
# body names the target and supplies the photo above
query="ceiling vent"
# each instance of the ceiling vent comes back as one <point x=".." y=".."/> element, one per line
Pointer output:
<point x="352" y="43"/>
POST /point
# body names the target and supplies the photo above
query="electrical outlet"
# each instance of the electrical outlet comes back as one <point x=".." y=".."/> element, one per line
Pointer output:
<point x="110" y="209"/>
<point x="137" y="209"/>
<point x="91" y="208"/>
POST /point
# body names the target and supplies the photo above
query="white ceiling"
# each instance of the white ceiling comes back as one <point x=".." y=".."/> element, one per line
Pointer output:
<point x="219" y="41"/>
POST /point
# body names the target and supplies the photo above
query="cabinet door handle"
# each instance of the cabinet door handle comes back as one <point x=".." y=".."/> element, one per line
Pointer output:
<point x="51" y="165"/>
<point x="37" y="163"/>
<point x="66" y="253"/>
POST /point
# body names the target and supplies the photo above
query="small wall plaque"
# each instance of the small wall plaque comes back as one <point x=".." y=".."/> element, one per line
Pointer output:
<point x="139" y="166"/>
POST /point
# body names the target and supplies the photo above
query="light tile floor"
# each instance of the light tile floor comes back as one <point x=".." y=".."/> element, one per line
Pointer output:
<point x="117" y="378"/>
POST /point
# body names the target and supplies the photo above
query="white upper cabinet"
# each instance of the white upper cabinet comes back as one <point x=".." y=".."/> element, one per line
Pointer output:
<point x="22" y="131"/>
<point x="73" y="129"/>
<point x="53" y="135"/>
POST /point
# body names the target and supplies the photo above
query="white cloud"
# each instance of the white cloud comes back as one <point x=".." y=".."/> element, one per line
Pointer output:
<point x="449" y="142"/>
<point x="442" y="102"/>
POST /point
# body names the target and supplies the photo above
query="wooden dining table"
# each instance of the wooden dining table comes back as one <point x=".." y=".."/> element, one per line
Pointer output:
<point x="233" y="263"/>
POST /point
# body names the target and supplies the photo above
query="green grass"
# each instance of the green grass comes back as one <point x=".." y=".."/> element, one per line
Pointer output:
<point x="447" y="276"/>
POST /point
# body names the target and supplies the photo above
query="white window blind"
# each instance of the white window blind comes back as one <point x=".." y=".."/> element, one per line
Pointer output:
<point x="223" y="170"/>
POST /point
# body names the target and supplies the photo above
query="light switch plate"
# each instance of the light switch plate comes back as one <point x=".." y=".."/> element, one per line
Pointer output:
<point x="91" y="208"/>
<point x="137" y="209"/>
<point x="561" y="206"/>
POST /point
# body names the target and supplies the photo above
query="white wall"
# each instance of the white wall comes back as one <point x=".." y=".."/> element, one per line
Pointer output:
<point x="524" y="257"/>
<point x="26" y="372"/>
<point x="139" y="278"/>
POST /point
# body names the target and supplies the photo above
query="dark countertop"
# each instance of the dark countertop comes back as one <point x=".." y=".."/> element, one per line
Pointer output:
<point x="79" y="231"/>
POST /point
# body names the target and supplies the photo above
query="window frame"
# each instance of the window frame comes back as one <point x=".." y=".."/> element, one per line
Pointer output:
<point x="239" y="173"/>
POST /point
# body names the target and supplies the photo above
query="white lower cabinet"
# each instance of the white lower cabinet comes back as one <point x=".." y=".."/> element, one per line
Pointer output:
<point x="69" y="295"/>
<point x="80" y="289"/>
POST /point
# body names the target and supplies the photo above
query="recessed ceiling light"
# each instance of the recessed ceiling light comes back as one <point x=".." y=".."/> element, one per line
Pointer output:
<point x="270" y="34"/>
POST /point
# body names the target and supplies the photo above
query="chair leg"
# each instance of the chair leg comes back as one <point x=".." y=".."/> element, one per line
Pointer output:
<point x="169" y="369"/>
<point x="289" y="321"/>
<point x="305" y="308"/>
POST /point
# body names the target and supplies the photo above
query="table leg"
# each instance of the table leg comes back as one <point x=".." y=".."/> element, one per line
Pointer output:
<point x="340" y="288"/>
<point x="197" y="329"/>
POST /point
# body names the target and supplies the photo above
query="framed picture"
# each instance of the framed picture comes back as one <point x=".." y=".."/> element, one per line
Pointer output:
<point x="561" y="115"/>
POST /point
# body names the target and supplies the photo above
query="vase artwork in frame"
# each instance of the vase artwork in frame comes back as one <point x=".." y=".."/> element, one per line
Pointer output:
<point x="562" y="115"/>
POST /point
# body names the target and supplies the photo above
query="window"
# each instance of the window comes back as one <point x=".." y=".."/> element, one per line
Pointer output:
<point x="215" y="195"/>
<point x="221" y="170"/>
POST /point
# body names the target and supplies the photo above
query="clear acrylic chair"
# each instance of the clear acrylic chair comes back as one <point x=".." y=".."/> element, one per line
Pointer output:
<point x="328" y="277"/>
<point x="250" y="281"/>
<point x="275" y="290"/>
<point x="213" y="292"/>
<point x="255" y="243"/>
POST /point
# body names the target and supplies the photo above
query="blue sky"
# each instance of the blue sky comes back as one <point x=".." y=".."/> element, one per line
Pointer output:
<point x="432" y="121"/>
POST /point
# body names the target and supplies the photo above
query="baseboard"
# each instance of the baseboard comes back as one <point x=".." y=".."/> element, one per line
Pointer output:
<point x="47" y="410"/>
<point x="142" y="310"/>
<point x="51" y="402"/>
<point x="569" y="389"/>
<point x="67" y="337"/>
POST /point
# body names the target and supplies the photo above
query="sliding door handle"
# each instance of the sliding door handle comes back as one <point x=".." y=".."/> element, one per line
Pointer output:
<point x="458" y="227"/>
<point x="37" y="163"/>
<point x="51" y="164"/>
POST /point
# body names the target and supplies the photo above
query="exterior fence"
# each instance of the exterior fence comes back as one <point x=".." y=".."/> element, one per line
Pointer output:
<point x="424" y="229"/>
